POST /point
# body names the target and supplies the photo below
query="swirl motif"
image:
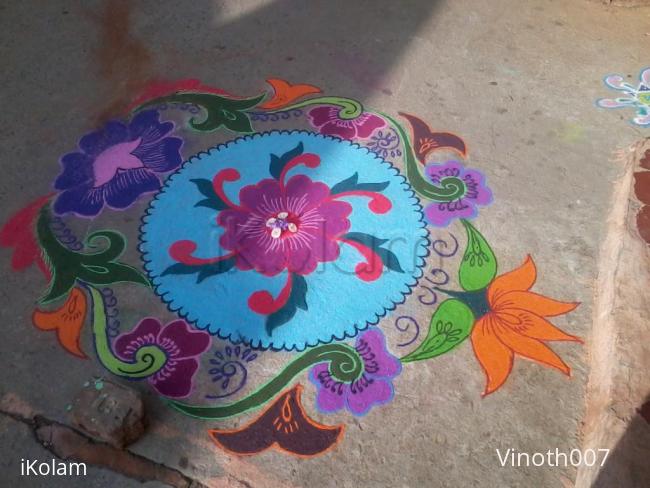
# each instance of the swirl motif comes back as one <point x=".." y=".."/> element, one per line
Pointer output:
<point x="148" y="359"/>
<point x="228" y="364"/>
<point x="65" y="235"/>
<point x="410" y="320"/>
<point x="112" y="312"/>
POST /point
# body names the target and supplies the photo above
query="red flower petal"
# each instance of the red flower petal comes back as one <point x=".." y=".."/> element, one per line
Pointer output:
<point x="19" y="233"/>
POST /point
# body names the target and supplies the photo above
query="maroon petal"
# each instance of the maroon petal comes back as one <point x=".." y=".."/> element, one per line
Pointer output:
<point x="343" y="129"/>
<point x="187" y="342"/>
<point x="175" y="378"/>
<point x="367" y="123"/>
<point x="253" y="196"/>
<point x="304" y="260"/>
<point x="301" y="188"/>
<point x="336" y="215"/>
<point x="321" y="115"/>
<point x="284" y="424"/>
<point x="144" y="333"/>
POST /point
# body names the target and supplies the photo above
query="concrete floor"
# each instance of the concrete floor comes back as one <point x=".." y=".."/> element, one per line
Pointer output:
<point x="517" y="80"/>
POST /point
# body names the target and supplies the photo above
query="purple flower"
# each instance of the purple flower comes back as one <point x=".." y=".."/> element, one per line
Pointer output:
<point x="181" y="345"/>
<point x="374" y="387"/>
<point x="326" y="119"/>
<point x="277" y="227"/>
<point x="116" y="165"/>
<point x="476" y="193"/>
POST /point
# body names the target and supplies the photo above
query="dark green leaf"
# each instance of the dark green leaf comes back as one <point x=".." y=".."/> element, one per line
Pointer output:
<point x="213" y="200"/>
<point x="345" y="185"/>
<point x="204" y="186"/>
<point x="215" y="269"/>
<point x="202" y="271"/>
<point x="220" y="111"/>
<point x="352" y="184"/>
<point x="297" y="299"/>
<point x="299" y="291"/>
<point x="366" y="239"/>
<point x="278" y="163"/>
<point x="389" y="259"/>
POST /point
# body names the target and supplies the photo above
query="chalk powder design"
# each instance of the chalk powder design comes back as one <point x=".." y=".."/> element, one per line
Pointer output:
<point x="299" y="241"/>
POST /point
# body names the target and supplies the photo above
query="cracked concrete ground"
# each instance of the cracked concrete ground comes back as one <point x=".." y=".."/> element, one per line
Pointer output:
<point x="516" y="79"/>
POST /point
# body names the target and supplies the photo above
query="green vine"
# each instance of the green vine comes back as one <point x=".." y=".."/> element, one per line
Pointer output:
<point x="148" y="359"/>
<point x="452" y="188"/>
<point x="96" y="268"/>
<point x="350" y="109"/>
<point x="220" y="111"/>
<point x="345" y="365"/>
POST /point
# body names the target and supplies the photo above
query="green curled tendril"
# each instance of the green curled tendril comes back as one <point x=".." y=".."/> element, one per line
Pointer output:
<point x="345" y="365"/>
<point x="230" y="113"/>
<point x="148" y="359"/>
<point x="96" y="265"/>
<point x="451" y="188"/>
<point x="349" y="108"/>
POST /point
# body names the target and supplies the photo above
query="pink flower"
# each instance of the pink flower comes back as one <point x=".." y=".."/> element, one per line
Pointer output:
<point x="277" y="227"/>
<point x="374" y="387"/>
<point x="326" y="119"/>
<point x="182" y="346"/>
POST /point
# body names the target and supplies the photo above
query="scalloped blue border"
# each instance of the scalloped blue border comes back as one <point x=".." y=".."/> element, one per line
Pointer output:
<point x="183" y="313"/>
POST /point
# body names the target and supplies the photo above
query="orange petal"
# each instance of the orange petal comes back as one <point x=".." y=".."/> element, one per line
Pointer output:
<point x="519" y="279"/>
<point x="535" y="303"/>
<point x="285" y="93"/>
<point x="533" y="326"/>
<point x="66" y="320"/>
<point x="494" y="357"/>
<point x="529" y="348"/>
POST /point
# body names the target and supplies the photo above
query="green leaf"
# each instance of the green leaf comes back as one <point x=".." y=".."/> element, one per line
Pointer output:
<point x="94" y="268"/>
<point x="367" y="240"/>
<point x="204" y="186"/>
<point x="297" y="299"/>
<point x="220" y="111"/>
<point x="479" y="265"/>
<point x="388" y="258"/>
<point x="212" y="200"/>
<point x="352" y="184"/>
<point x="278" y="163"/>
<point x="450" y="325"/>
<point x="202" y="271"/>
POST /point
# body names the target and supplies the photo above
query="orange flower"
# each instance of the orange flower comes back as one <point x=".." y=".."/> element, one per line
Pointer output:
<point x="285" y="93"/>
<point x="515" y="324"/>
<point x="66" y="320"/>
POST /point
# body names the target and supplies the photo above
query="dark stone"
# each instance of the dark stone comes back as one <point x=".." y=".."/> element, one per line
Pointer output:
<point x="109" y="412"/>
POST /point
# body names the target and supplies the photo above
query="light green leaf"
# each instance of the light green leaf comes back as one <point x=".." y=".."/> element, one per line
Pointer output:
<point x="450" y="325"/>
<point x="479" y="265"/>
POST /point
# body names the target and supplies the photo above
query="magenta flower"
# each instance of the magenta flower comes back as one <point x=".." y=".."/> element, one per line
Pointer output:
<point x="116" y="165"/>
<point x="326" y="119"/>
<point x="374" y="387"/>
<point x="182" y="346"/>
<point x="277" y="226"/>
<point x="440" y="214"/>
